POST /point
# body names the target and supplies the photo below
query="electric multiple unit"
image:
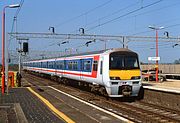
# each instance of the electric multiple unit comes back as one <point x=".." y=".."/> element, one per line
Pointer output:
<point x="115" y="71"/>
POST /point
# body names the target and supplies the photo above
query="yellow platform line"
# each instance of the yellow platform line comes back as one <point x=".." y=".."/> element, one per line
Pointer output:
<point x="55" y="110"/>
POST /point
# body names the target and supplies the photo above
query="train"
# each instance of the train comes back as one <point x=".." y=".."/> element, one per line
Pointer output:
<point x="113" y="72"/>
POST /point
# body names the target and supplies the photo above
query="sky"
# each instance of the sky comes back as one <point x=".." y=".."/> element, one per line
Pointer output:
<point x="97" y="17"/>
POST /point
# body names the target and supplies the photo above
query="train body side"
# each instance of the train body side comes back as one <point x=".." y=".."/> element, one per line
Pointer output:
<point x="94" y="69"/>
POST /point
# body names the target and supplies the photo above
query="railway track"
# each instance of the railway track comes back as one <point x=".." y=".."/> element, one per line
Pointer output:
<point x="136" y="111"/>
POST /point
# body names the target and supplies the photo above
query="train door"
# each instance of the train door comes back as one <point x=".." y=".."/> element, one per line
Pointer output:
<point x="41" y="66"/>
<point x="64" y="67"/>
<point x="81" y="69"/>
<point x="54" y="66"/>
<point x="101" y="70"/>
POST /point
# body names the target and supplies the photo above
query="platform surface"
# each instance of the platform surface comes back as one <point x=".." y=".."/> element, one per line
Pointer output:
<point x="169" y="85"/>
<point x="34" y="110"/>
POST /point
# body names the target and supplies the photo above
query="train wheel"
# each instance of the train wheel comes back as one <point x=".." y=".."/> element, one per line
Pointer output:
<point x="102" y="91"/>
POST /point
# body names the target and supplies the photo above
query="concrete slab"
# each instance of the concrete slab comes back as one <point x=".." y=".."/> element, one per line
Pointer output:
<point x="167" y="86"/>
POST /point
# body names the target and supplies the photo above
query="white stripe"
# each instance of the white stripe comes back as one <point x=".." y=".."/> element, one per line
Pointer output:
<point x="162" y="89"/>
<point x="94" y="106"/>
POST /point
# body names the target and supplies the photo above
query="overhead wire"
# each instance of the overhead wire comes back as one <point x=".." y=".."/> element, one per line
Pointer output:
<point x="164" y="7"/>
<point x="142" y="7"/>
<point x="108" y="15"/>
<point x="19" y="9"/>
<point x="113" y="13"/>
<point x="131" y="12"/>
<point x="85" y="13"/>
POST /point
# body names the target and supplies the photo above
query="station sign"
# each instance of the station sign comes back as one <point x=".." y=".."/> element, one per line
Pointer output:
<point x="153" y="58"/>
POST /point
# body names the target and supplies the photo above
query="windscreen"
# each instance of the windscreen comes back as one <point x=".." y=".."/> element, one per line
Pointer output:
<point x="122" y="61"/>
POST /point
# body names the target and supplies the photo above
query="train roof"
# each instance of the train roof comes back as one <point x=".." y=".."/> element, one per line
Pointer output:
<point x="93" y="52"/>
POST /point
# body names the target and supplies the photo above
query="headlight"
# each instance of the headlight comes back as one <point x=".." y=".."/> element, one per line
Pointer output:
<point x="135" y="77"/>
<point x="115" y="78"/>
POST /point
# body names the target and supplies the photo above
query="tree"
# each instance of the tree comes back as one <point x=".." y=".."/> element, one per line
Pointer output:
<point x="177" y="61"/>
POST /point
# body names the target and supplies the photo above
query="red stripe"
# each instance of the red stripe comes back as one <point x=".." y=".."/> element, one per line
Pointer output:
<point x="93" y="74"/>
<point x="96" y="58"/>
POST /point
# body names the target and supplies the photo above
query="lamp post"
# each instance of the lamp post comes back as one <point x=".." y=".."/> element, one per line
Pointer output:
<point x="3" y="45"/>
<point x="156" y="29"/>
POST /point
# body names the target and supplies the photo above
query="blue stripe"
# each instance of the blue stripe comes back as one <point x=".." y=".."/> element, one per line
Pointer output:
<point x="84" y="65"/>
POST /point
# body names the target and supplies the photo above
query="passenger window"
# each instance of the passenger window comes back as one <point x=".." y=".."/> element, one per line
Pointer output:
<point x="87" y="65"/>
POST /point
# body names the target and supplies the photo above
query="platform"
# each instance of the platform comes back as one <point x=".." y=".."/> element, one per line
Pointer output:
<point x="31" y="108"/>
<point x="46" y="104"/>
<point x="167" y="86"/>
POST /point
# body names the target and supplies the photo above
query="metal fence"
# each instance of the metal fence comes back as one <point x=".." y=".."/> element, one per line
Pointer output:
<point x="165" y="68"/>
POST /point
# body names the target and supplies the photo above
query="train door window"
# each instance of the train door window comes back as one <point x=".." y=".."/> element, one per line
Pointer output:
<point x="42" y="64"/>
<point x="54" y="65"/>
<point x="75" y="65"/>
<point x="95" y="65"/>
<point x="101" y="69"/>
<point x="81" y="65"/>
<point x="51" y="64"/>
<point x="33" y="64"/>
<point x="69" y="65"/>
<point x="37" y="64"/>
<point x="62" y="65"/>
<point x="46" y="64"/>
<point x="58" y="65"/>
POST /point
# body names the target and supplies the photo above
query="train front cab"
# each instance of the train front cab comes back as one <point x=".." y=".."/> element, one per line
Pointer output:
<point x="124" y="74"/>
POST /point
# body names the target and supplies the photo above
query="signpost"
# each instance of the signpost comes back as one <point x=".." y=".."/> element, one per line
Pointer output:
<point x="152" y="59"/>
